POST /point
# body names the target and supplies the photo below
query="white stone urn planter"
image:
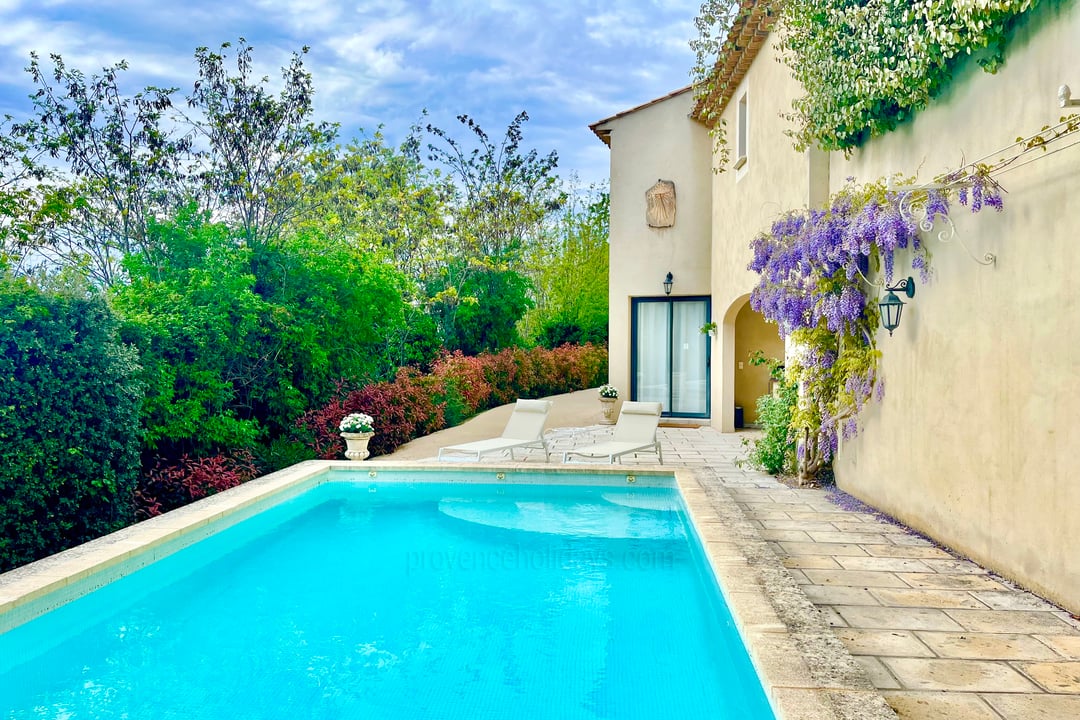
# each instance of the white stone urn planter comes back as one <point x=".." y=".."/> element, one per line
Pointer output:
<point x="607" y="409"/>
<point x="356" y="445"/>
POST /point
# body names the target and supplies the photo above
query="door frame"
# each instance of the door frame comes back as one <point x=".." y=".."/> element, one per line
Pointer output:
<point x="635" y="303"/>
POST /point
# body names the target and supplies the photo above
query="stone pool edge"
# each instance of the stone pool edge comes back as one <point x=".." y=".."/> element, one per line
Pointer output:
<point x="806" y="671"/>
<point x="38" y="587"/>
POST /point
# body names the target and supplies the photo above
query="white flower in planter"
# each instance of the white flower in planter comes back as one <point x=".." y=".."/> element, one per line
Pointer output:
<point x="357" y="423"/>
<point x="609" y="391"/>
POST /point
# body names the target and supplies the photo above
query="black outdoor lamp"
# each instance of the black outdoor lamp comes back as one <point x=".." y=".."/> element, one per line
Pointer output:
<point x="667" y="283"/>
<point x="891" y="306"/>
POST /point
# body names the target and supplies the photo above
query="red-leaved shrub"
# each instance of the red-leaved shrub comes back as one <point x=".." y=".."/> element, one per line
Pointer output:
<point x="171" y="485"/>
<point x="414" y="405"/>
<point x="465" y="376"/>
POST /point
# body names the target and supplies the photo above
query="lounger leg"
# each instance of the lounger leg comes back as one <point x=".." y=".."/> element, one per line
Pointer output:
<point x="660" y="452"/>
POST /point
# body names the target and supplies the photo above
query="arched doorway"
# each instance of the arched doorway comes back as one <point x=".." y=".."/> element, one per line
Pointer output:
<point x="744" y="331"/>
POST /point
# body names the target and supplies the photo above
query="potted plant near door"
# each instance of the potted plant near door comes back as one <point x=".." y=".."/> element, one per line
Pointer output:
<point x="357" y="429"/>
<point x="608" y="395"/>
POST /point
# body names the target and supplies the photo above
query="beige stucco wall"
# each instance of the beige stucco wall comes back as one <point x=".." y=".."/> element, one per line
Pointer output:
<point x="977" y="440"/>
<point x="774" y="179"/>
<point x="658" y="141"/>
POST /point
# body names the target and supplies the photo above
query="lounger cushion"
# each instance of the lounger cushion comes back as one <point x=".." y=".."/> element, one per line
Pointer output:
<point x="635" y="431"/>
<point x="525" y="428"/>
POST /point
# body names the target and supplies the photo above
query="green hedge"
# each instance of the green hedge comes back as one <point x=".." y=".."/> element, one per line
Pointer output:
<point x="69" y="423"/>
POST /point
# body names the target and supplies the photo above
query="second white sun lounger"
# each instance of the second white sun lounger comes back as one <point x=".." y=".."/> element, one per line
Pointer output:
<point x="524" y="429"/>
<point x="635" y="431"/>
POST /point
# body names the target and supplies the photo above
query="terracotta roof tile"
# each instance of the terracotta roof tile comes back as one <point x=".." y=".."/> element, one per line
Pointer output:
<point x="754" y="21"/>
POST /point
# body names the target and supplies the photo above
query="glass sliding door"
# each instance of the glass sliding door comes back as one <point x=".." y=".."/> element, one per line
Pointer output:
<point x="652" y="376"/>
<point x="689" y="358"/>
<point x="670" y="360"/>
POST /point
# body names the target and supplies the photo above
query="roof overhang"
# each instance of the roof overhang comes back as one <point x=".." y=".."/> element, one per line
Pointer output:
<point x="749" y="30"/>
<point x="604" y="133"/>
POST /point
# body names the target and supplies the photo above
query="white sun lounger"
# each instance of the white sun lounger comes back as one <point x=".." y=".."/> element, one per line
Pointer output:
<point x="635" y="431"/>
<point x="524" y="429"/>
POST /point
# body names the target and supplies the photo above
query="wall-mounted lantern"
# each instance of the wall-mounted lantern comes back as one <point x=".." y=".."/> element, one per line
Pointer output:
<point x="668" y="280"/>
<point x="892" y="307"/>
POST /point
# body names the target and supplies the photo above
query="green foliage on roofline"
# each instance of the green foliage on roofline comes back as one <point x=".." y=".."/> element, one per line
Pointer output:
<point x="865" y="66"/>
<point x="711" y="48"/>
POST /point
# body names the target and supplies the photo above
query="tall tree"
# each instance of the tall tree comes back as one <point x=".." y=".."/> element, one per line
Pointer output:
<point x="375" y="196"/>
<point x="20" y="173"/>
<point x="262" y="147"/>
<point x="124" y="163"/>
<point x="504" y="194"/>
<point x="569" y="273"/>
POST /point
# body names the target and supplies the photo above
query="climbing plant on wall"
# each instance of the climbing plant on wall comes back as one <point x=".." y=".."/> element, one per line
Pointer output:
<point x="814" y="266"/>
<point x="712" y="47"/>
<point x="867" y="66"/>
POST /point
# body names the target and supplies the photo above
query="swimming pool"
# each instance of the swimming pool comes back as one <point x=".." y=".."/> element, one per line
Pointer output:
<point x="387" y="598"/>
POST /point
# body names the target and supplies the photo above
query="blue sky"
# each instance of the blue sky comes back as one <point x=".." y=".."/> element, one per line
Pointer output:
<point x="384" y="61"/>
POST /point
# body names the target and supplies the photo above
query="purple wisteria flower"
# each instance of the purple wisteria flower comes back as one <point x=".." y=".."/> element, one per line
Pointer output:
<point x="936" y="205"/>
<point x="813" y="266"/>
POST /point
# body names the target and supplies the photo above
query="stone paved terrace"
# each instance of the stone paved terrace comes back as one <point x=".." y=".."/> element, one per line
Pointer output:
<point x="940" y="637"/>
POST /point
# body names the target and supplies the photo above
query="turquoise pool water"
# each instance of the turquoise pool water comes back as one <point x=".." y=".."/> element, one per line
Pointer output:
<point x="374" y="601"/>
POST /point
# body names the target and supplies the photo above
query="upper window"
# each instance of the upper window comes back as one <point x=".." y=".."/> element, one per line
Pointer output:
<point x="743" y="134"/>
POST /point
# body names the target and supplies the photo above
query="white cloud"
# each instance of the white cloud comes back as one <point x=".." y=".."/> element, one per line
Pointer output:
<point x="304" y="15"/>
<point x="382" y="61"/>
<point x="624" y="26"/>
<point x="87" y="50"/>
<point x="377" y="48"/>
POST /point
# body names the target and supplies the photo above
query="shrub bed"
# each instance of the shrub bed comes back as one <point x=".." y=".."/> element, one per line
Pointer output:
<point x="173" y="484"/>
<point x="414" y="405"/>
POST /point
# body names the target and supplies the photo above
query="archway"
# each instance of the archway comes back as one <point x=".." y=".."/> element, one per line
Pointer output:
<point x="744" y="331"/>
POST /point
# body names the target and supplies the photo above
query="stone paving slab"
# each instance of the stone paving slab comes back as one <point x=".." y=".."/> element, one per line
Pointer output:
<point x="1035" y="707"/>
<point x="962" y="675"/>
<point x="988" y="646"/>
<point x="941" y="706"/>
<point x="1068" y="646"/>
<point x="1009" y="621"/>
<point x="910" y="597"/>
<point x="1055" y="677"/>
<point x="906" y="551"/>
<point x="937" y="581"/>
<point x="884" y="643"/>
<point x="896" y="618"/>
<point x="819" y="562"/>
<point x="857" y="578"/>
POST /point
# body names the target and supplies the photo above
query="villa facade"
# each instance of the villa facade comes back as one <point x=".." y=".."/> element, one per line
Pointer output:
<point x="975" y="440"/>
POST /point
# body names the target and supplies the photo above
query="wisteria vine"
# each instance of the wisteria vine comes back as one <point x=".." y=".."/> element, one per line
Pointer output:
<point x="813" y="267"/>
